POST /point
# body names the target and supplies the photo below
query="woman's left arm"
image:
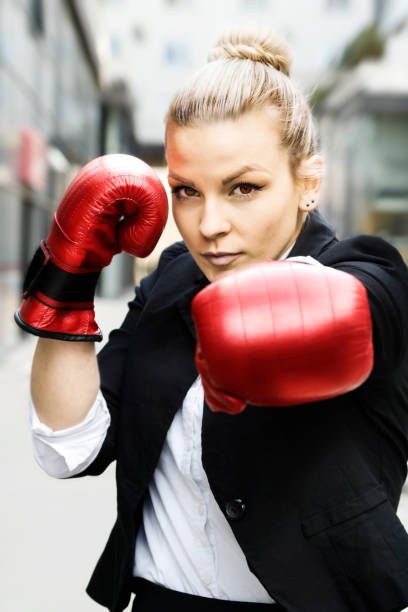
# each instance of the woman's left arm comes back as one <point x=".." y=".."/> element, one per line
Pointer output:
<point x="282" y="333"/>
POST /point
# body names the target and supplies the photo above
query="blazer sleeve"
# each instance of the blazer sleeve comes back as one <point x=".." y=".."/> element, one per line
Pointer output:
<point x="112" y="359"/>
<point x="380" y="268"/>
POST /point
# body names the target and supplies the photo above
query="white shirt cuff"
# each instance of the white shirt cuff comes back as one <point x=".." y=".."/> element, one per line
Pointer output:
<point x="69" y="451"/>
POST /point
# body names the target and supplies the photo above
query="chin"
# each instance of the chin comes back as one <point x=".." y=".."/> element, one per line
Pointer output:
<point x="214" y="275"/>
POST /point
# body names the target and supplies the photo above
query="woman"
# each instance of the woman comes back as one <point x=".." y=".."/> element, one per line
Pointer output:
<point x="291" y="502"/>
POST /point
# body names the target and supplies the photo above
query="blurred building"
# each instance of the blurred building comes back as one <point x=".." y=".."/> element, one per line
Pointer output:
<point x="364" y="134"/>
<point x="171" y="39"/>
<point x="83" y="78"/>
<point x="54" y="117"/>
<point x="156" y="45"/>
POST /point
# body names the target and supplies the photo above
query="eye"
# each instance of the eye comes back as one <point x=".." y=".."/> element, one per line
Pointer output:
<point x="245" y="189"/>
<point x="182" y="191"/>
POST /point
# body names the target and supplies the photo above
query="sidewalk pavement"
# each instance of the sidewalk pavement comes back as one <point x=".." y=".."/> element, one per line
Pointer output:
<point x="53" y="531"/>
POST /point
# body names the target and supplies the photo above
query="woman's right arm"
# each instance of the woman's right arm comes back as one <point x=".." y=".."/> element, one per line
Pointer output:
<point x="78" y="396"/>
<point x="64" y="381"/>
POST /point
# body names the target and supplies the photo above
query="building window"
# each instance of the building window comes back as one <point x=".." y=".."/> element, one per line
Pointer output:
<point x="139" y="34"/>
<point x="255" y="5"/>
<point x="176" y="54"/>
<point x="338" y="4"/>
<point x="180" y="3"/>
<point x="116" y="46"/>
<point x="36" y="12"/>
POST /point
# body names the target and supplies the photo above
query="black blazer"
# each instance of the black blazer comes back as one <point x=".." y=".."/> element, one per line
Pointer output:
<point x="311" y="490"/>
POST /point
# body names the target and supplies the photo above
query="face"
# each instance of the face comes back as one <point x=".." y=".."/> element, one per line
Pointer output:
<point x="234" y="199"/>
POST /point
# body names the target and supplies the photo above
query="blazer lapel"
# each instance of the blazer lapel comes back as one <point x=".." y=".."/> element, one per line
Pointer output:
<point x="183" y="279"/>
<point x="315" y="237"/>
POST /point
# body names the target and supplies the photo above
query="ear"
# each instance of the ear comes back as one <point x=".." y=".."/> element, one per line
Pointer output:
<point x="310" y="175"/>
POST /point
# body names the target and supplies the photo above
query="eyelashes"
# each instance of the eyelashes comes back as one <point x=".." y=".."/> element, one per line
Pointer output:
<point x="190" y="192"/>
<point x="177" y="192"/>
<point x="251" y="186"/>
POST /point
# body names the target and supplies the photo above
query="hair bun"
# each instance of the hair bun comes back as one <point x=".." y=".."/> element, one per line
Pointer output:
<point x="256" y="45"/>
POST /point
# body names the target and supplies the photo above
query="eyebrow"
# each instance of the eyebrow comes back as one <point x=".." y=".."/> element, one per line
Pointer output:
<point x="181" y="180"/>
<point x="225" y="181"/>
<point x="240" y="172"/>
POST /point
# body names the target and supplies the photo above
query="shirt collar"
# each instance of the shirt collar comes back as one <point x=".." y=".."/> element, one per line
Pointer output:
<point x="286" y="253"/>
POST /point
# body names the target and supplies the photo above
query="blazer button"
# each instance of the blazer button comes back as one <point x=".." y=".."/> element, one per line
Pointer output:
<point x="235" y="509"/>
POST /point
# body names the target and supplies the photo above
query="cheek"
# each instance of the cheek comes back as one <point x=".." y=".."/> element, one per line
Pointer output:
<point x="261" y="219"/>
<point x="273" y="223"/>
<point x="177" y="213"/>
<point x="185" y="220"/>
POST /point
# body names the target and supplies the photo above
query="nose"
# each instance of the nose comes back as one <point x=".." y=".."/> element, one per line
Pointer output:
<point x="214" y="221"/>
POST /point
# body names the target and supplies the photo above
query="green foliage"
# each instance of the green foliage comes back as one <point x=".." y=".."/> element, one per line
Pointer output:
<point x="319" y="95"/>
<point x="369" y="43"/>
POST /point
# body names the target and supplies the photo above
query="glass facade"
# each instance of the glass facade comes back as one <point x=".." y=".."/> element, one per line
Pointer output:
<point x="49" y="101"/>
<point x="366" y="187"/>
<point x="387" y="211"/>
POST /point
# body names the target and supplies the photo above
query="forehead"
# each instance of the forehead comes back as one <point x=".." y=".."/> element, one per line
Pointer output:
<point x="254" y="137"/>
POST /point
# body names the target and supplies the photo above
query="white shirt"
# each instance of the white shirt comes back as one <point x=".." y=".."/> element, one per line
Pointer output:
<point x="185" y="542"/>
<point x="67" y="452"/>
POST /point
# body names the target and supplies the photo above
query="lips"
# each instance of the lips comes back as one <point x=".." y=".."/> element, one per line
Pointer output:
<point x="221" y="259"/>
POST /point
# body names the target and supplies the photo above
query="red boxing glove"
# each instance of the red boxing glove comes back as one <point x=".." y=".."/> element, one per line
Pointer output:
<point x="282" y="333"/>
<point x="115" y="203"/>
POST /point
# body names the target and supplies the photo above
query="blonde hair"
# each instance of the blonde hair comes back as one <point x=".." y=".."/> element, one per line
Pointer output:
<point x="248" y="69"/>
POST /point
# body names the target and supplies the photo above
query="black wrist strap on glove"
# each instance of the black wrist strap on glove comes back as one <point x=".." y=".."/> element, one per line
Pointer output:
<point x="58" y="284"/>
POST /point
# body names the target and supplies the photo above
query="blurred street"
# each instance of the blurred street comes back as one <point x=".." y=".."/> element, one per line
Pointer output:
<point x="53" y="531"/>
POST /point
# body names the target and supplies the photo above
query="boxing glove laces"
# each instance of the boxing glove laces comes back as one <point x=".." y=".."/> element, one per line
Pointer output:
<point x="115" y="203"/>
<point x="281" y="333"/>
